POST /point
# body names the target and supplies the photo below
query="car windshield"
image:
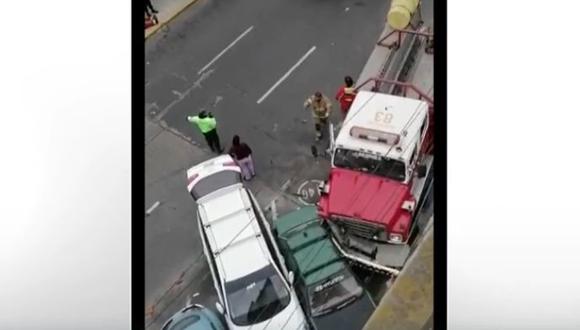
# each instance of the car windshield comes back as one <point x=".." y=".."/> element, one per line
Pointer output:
<point x="214" y="182"/>
<point x="333" y="293"/>
<point x="367" y="162"/>
<point x="256" y="297"/>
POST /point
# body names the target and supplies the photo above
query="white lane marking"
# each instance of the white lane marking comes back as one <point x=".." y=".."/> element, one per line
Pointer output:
<point x="225" y="49"/>
<point x="285" y="185"/>
<point x="286" y="74"/>
<point x="153" y="207"/>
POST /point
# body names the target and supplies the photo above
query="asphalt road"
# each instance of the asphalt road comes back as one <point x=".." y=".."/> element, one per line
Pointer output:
<point x="174" y="265"/>
<point x="343" y="33"/>
<point x="272" y="36"/>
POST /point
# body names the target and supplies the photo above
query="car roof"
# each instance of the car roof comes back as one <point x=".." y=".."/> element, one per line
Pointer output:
<point x="318" y="261"/>
<point x="209" y="167"/>
<point x="204" y="318"/>
<point x="290" y="220"/>
<point x="311" y="246"/>
<point x="234" y="236"/>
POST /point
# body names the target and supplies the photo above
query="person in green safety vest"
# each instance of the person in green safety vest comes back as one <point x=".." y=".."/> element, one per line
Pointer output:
<point x="207" y="125"/>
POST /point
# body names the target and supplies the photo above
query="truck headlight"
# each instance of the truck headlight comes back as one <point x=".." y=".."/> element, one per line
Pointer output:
<point x="409" y="206"/>
<point x="395" y="238"/>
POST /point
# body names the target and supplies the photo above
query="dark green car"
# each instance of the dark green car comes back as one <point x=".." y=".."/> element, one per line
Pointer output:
<point x="326" y="287"/>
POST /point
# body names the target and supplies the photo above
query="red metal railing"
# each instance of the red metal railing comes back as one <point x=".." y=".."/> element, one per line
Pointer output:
<point x="397" y="43"/>
<point x="405" y="86"/>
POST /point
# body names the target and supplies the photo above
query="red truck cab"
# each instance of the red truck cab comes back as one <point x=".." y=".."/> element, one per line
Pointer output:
<point x="377" y="169"/>
<point x="368" y="205"/>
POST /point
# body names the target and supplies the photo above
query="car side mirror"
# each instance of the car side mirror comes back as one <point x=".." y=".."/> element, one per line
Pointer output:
<point x="291" y="277"/>
<point x="220" y="308"/>
<point x="421" y="171"/>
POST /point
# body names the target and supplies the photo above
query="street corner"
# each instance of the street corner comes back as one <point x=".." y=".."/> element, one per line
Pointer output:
<point x="168" y="10"/>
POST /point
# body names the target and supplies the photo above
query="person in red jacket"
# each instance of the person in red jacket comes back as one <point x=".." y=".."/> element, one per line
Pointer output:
<point x="345" y="95"/>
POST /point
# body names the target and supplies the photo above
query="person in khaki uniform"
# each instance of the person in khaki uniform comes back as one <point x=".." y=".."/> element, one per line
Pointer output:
<point x="320" y="106"/>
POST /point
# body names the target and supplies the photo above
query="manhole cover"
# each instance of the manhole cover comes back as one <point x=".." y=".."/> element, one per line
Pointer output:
<point x="308" y="192"/>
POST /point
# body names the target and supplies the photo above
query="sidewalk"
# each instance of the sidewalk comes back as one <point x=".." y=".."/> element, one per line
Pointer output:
<point x="168" y="9"/>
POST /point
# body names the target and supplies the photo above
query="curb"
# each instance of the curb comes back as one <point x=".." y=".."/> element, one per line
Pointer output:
<point x="169" y="296"/>
<point x="152" y="30"/>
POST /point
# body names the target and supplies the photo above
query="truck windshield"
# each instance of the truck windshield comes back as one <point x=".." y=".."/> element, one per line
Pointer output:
<point x="256" y="297"/>
<point x="367" y="162"/>
<point x="333" y="293"/>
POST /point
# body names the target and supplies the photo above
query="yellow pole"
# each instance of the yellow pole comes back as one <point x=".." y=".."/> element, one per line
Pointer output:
<point x="400" y="13"/>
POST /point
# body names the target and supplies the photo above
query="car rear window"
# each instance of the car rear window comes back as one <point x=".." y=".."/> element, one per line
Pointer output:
<point x="256" y="297"/>
<point x="214" y="182"/>
<point x="333" y="292"/>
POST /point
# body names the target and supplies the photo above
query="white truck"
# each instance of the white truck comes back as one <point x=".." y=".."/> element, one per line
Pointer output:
<point x="381" y="167"/>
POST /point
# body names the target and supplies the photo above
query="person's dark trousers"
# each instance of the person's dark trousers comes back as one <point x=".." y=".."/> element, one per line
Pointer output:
<point x="149" y="7"/>
<point x="213" y="141"/>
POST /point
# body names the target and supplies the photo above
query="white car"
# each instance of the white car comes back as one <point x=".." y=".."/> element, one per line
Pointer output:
<point x="254" y="287"/>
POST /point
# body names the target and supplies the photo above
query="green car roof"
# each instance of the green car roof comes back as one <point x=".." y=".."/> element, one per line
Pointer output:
<point x="310" y="245"/>
<point x="295" y="218"/>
